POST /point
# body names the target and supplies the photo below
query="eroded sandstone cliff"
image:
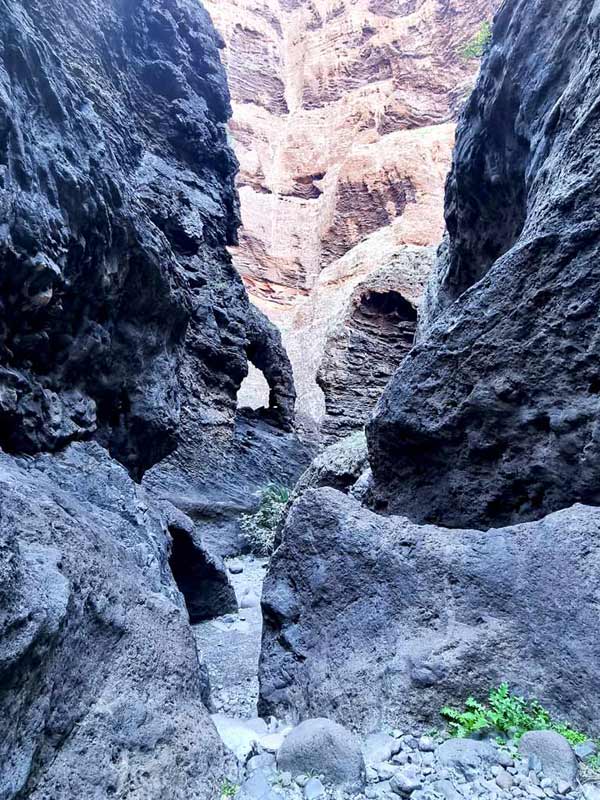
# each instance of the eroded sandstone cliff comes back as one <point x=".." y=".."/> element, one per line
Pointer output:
<point x="343" y="124"/>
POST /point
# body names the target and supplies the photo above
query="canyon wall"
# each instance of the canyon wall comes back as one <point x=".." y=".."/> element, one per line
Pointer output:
<point x="493" y="418"/>
<point x="343" y="125"/>
<point x="122" y="323"/>
<point x="489" y="430"/>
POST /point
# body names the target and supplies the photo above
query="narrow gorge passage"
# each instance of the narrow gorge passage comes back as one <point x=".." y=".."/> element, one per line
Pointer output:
<point x="299" y="399"/>
<point x="229" y="644"/>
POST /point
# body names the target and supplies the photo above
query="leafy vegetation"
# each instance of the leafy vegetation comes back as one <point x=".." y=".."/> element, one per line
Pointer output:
<point x="506" y="713"/>
<point x="260" y="528"/>
<point x="228" y="789"/>
<point x="476" y="46"/>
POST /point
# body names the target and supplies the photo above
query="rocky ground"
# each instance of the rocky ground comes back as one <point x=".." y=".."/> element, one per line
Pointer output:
<point x="229" y="645"/>
<point x="321" y="759"/>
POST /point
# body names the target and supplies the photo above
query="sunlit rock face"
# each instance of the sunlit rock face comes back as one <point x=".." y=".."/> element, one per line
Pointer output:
<point x="343" y="123"/>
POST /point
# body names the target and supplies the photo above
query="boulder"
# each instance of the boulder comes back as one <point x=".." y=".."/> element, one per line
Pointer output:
<point x="378" y="622"/>
<point x="101" y="693"/>
<point x="492" y="418"/>
<point x="378" y="747"/>
<point x="339" y="465"/>
<point x="554" y="752"/>
<point x="322" y="746"/>
<point x="467" y="757"/>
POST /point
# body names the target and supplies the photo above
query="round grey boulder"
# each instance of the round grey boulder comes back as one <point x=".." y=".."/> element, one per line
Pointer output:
<point x="554" y="752"/>
<point x="326" y="748"/>
<point x="466" y="757"/>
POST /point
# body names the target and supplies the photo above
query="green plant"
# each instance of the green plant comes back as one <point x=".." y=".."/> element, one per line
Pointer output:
<point x="228" y="789"/>
<point x="260" y="528"/>
<point x="476" y="46"/>
<point x="506" y="713"/>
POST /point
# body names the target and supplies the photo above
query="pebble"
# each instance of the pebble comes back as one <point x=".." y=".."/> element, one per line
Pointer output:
<point x="405" y="782"/>
<point x="236" y="569"/>
<point x="585" y="749"/>
<point x="505" y="759"/>
<point x="504" y="780"/>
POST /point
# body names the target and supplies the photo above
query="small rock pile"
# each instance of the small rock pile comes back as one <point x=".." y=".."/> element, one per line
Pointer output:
<point x="320" y="759"/>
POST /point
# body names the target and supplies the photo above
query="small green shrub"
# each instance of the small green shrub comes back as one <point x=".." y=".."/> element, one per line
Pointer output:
<point x="508" y="714"/>
<point x="260" y="528"/>
<point x="476" y="46"/>
<point x="228" y="789"/>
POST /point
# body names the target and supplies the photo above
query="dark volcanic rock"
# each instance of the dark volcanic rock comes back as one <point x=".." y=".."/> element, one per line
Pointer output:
<point x="375" y="621"/>
<point x="200" y="574"/>
<point x="493" y="417"/>
<point x="118" y="301"/>
<point x="369" y="339"/>
<point x="100" y="688"/>
<point x="214" y="482"/>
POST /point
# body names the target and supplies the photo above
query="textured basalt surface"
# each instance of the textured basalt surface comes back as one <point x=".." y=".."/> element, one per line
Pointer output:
<point x="368" y="340"/>
<point x="118" y="301"/>
<point x="493" y="418"/>
<point x="101" y="693"/>
<point x="377" y="622"/>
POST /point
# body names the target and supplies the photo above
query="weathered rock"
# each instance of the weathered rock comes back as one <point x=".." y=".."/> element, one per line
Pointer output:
<point x="119" y="302"/>
<point x="492" y="419"/>
<point x="405" y="782"/>
<point x="378" y="747"/>
<point x="200" y="575"/>
<point x="466" y="757"/>
<point x="339" y="465"/>
<point x="257" y="787"/>
<point x="368" y="340"/>
<point x="239" y="735"/>
<point x="343" y="123"/>
<point x="554" y="753"/>
<point x="322" y="746"/>
<point x="100" y="688"/>
<point x="375" y="621"/>
<point x="217" y="479"/>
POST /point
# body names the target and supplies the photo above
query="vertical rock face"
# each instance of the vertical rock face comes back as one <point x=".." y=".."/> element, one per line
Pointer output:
<point x="343" y="124"/>
<point x="117" y="202"/>
<point x="368" y="341"/>
<point x="121" y="319"/>
<point x="493" y="418"/>
<point x="101" y="693"/>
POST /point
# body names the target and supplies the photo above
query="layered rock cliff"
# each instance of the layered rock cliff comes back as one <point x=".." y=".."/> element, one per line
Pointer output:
<point x="490" y="422"/>
<point x="343" y="124"/>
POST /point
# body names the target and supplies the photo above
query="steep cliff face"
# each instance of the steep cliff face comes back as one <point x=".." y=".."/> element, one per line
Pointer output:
<point x="369" y="339"/>
<point x="491" y="420"/>
<point x="493" y="417"/>
<point x="117" y="202"/>
<point x="101" y="693"/>
<point x="343" y="124"/>
<point x="121" y="319"/>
